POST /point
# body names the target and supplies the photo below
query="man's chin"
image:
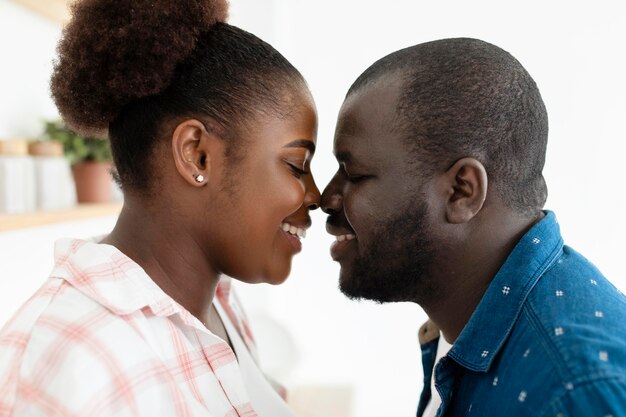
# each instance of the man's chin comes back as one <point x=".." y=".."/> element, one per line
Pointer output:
<point x="378" y="287"/>
<point x="349" y="287"/>
<point x="356" y="291"/>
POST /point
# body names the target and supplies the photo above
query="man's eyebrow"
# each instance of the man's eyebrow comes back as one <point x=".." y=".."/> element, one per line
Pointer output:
<point x="343" y="156"/>
<point x="301" y="143"/>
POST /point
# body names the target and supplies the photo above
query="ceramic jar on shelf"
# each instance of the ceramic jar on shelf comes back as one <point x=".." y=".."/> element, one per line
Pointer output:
<point x="17" y="177"/>
<point x="55" y="188"/>
<point x="34" y="176"/>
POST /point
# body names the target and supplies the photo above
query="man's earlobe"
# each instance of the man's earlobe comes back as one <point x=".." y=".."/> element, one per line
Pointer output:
<point x="467" y="190"/>
<point x="191" y="150"/>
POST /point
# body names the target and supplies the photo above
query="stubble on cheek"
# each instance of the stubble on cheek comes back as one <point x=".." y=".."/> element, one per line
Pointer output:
<point x="392" y="260"/>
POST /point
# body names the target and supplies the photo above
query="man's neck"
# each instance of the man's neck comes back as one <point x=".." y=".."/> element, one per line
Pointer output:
<point x="468" y="272"/>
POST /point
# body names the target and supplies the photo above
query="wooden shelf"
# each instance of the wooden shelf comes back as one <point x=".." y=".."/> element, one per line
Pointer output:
<point x="56" y="10"/>
<point x="41" y="218"/>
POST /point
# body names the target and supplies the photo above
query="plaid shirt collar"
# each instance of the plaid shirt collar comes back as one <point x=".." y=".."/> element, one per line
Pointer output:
<point x="115" y="281"/>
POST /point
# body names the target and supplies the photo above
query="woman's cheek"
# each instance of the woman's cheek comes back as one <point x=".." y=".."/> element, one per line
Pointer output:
<point x="294" y="196"/>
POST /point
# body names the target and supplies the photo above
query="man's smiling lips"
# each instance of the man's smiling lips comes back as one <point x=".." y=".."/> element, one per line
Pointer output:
<point x="343" y="238"/>
<point x="340" y="244"/>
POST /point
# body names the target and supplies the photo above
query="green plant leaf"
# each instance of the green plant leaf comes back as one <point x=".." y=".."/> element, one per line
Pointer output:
<point x="76" y="147"/>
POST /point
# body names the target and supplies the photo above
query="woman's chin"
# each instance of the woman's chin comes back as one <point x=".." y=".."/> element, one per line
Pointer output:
<point x="278" y="275"/>
<point x="273" y="274"/>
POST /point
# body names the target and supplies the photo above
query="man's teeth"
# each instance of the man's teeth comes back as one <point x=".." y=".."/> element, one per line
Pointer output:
<point x="296" y="231"/>
<point x="341" y="238"/>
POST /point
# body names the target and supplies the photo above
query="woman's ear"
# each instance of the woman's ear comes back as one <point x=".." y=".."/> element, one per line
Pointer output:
<point x="192" y="149"/>
<point x="466" y="184"/>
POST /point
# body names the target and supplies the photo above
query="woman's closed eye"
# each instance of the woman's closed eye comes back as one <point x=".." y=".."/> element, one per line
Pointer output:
<point x="297" y="171"/>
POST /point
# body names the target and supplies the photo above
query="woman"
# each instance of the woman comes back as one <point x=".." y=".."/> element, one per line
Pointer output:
<point x="212" y="132"/>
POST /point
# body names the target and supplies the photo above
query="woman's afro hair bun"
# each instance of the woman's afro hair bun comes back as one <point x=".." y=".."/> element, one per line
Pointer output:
<point x="115" y="51"/>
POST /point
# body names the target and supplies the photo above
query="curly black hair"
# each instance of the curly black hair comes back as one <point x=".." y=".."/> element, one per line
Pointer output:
<point x="464" y="97"/>
<point x="125" y="69"/>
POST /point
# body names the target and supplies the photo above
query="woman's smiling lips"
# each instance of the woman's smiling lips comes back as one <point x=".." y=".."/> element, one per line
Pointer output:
<point x="294" y="233"/>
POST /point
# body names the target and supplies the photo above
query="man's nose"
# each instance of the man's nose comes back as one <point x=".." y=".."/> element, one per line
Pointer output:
<point x="332" y="198"/>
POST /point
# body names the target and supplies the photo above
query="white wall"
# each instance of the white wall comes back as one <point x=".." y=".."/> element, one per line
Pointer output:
<point x="573" y="50"/>
<point x="27" y="45"/>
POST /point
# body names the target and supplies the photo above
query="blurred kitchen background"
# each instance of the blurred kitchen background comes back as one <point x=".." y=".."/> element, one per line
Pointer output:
<point x="337" y="357"/>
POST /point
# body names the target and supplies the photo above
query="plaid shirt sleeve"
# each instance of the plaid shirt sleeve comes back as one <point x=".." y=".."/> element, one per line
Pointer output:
<point x="82" y="347"/>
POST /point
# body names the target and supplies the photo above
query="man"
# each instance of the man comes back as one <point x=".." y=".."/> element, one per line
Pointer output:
<point x="438" y="200"/>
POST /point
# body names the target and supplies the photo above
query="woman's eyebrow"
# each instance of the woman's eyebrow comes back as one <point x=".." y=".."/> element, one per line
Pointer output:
<point x="302" y="143"/>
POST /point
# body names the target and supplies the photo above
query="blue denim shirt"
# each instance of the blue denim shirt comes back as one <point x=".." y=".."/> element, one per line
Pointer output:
<point x="547" y="339"/>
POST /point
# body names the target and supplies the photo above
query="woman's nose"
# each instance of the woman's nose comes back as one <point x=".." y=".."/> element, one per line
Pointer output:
<point x="312" y="193"/>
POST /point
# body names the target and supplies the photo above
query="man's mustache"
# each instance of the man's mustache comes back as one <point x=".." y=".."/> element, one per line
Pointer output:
<point x="334" y="220"/>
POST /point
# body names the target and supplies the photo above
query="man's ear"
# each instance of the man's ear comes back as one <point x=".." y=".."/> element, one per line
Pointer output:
<point x="466" y="188"/>
<point x="193" y="146"/>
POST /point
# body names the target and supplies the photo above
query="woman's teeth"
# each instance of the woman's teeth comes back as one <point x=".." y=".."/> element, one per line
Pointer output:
<point x="296" y="231"/>
<point x="341" y="238"/>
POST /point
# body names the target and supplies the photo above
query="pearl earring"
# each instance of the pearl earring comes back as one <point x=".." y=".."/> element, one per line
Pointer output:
<point x="199" y="178"/>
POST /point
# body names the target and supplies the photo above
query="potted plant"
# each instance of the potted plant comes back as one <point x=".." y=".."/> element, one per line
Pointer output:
<point x="91" y="162"/>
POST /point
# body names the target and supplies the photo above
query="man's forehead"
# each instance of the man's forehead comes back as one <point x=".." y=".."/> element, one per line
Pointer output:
<point x="380" y="95"/>
<point x="367" y="114"/>
<point x="345" y="136"/>
<point x="347" y="124"/>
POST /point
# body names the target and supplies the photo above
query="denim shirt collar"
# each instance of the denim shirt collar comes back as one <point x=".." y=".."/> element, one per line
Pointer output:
<point x="492" y="321"/>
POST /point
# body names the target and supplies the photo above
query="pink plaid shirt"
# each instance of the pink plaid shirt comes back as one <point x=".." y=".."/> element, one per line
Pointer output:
<point x="100" y="338"/>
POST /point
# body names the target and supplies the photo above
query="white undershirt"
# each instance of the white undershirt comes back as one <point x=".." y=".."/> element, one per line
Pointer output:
<point x="264" y="399"/>
<point x="443" y="348"/>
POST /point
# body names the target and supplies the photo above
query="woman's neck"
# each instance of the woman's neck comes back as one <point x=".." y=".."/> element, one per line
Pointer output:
<point x="169" y="254"/>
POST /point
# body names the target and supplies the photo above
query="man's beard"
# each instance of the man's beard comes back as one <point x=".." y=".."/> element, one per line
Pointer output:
<point x="396" y="264"/>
